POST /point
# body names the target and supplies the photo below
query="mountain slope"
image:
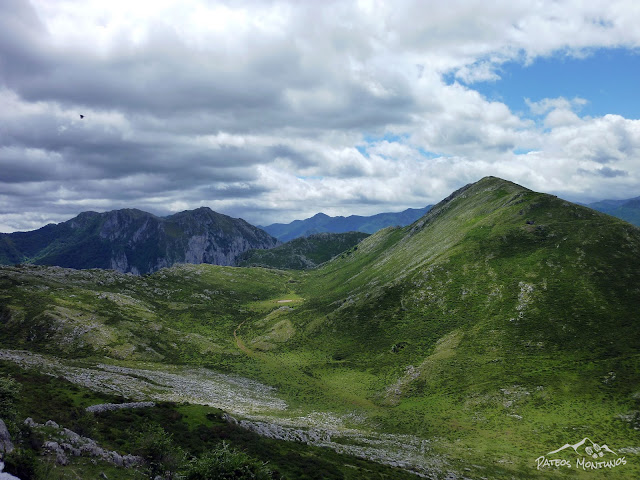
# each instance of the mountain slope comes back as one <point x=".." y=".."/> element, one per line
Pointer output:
<point x="500" y="326"/>
<point x="500" y="313"/>
<point x="320" y="223"/>
<point x="303" y="253"/>
<point x="628" y="210"/>
<point x="496" y="250"/>
<point x="134" y="241"/>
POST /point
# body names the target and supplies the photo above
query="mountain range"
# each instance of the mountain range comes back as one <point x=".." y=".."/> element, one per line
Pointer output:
<point x="499" y="324"/>
<point x="322" y="223"/>
<point x="628" y="210"/>
<point x="134" y="241"/>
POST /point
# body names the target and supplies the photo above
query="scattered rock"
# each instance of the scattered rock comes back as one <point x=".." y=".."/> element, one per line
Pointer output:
<point x="105" y="407"/>
<point x="61" y="458"/>
<point x="5" y="439"/>
<point x="77" y="445"/>
<point x="29" y="422"/>
<point x="229" y="419"/>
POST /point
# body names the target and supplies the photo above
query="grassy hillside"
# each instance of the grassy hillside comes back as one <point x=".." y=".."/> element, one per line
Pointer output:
<point x="499" y="327"/>
<point x="303" y="253"/>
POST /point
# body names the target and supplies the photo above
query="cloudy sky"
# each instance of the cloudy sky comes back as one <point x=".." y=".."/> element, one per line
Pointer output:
<point x="276" y="110"/>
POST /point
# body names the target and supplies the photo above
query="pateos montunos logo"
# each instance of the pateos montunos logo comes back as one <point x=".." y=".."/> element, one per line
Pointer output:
<point x="585" y="454"/>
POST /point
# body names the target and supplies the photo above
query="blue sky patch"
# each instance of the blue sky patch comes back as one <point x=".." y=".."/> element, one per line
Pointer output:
<point x="608" y="79"/>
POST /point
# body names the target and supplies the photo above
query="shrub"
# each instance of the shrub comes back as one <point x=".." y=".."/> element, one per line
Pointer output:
<point x="21" y="463"/>
<point x="9" y="393"/>
<point x="163" y="458"/>
<point x="225" y="463"/>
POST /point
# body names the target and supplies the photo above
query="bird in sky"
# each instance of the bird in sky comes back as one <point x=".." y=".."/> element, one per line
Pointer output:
<point x="81" y="116"/>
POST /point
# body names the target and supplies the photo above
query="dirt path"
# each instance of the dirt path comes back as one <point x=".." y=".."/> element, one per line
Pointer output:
<point x="240" y="344"/>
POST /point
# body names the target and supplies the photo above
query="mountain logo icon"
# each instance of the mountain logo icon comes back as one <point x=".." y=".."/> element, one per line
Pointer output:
<point x="585" y="447"/>
<point x="585" y="454"/>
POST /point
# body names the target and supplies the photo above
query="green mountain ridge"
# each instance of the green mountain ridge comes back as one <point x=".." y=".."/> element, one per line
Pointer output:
<point x="500" y="325"/>
<point x="131" y="240"/>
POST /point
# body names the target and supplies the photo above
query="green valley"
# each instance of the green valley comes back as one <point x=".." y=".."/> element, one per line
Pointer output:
<point x="499" y="327"/>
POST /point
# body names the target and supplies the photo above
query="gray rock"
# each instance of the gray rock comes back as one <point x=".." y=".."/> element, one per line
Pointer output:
<point x="51" y="446"/>
<point x="116" y="459"/>
<point x="131" y="461"/>
<point x="30" y="423"/>
<point x="105" y="407"/>
<point x="229" y="419"/>
<point x="71" y="449"/>
<point x="61" y="458"/>
<point x="71" y="435"/>
<point x="4" y="475"/>
<point x="91" y="449"/>
<point x="51" y="423"/>
<point x="5" y="439"/>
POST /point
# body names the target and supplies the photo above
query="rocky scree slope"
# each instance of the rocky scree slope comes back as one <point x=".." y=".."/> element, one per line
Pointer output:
<point x="134" y="241"/>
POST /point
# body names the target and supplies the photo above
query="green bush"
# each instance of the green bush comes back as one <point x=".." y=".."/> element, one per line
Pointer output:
<point x="225" y="463"/>
<point x="9" y="393"/>
<point x="21" y="463"/>
<point x="162" y="456"/>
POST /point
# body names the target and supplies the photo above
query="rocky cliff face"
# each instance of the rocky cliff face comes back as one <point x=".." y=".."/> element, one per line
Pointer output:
<point x="133" y="241"/>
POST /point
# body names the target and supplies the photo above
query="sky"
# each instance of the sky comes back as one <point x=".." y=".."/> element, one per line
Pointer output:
<point x="276" y="110"/>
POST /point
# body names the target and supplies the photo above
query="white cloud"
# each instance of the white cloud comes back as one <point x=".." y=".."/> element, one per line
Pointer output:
<point x="547" y="104"/>
<point x="261" y="109"/>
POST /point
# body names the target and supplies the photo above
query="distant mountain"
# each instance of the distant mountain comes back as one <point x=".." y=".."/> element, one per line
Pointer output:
<point x="303" y="253"/>
<point x="320" y="223"/>
<point x="628" y="210"/>
<point x="134" y="241"/>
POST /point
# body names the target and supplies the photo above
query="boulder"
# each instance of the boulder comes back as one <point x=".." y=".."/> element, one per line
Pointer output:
<point x="61" y="458"/>
<point x="30" y="423"/>
<point x="5" y="439"/>
<point x="6" y="476"/>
